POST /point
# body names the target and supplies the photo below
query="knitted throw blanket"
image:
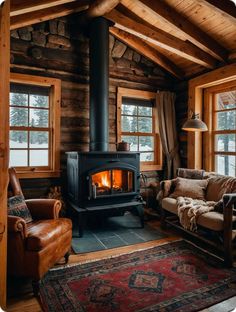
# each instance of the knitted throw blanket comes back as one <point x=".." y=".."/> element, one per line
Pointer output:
<point x="190" y="209"/>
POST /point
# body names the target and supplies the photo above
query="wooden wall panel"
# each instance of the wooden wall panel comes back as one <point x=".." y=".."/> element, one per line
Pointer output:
<point x="4" y="141"/>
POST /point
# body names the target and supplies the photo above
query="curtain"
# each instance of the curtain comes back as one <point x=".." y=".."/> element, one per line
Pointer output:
<point x="167" y="129"/>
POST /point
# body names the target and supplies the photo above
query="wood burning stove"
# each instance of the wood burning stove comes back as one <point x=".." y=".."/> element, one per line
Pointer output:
<point x="100" y="181"/>
<point x="103" y="181"/>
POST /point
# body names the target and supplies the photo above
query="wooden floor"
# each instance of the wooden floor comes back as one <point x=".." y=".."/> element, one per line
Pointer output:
<point x="21" y="299"/>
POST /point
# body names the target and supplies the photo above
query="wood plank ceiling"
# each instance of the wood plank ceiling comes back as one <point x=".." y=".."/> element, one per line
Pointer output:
<point x="185" y="37"/>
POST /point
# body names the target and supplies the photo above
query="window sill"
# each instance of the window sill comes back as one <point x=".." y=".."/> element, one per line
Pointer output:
<point x="145" y="167"/>
<point x="37" y="174"/>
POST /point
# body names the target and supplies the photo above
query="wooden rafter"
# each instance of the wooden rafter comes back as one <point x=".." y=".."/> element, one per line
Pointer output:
<point x="47" y="14"/>
<point x="99" y="8"/>
<point x="143" y="48"/>
<point x="226" y="7"/>
<point x="157" y="36"/>
<point x="164" y="12"/>
<point x="25" y="6"/>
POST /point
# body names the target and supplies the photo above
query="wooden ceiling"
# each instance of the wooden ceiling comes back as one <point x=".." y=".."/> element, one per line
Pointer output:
<point x="185" y="37"/>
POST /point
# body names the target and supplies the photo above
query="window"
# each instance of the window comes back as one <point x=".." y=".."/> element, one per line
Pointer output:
<point x="137" y="125"/>
<point x="222" y="128"/>
<point x="34" y="125"/>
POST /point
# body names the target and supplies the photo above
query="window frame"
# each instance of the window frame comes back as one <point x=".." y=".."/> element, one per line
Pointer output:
<point x="209" y="152"/>
<point x="53" y="170"/>
<point x="196" y="87"/>
<point x="142" y="95"/>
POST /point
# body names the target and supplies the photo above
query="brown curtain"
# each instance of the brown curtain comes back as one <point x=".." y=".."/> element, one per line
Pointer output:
<point x="167" y="129"/>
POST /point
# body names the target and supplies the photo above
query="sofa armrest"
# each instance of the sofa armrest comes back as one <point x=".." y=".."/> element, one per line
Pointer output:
<point x="229" y="201"/>
<point x="166" y="188"/>
<point x="44" y="208"/>
<point x="16" y="224"/>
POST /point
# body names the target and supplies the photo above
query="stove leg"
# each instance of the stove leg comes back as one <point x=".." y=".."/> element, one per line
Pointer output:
<point x="140" y="210"/>
<point x="82" y="222"/>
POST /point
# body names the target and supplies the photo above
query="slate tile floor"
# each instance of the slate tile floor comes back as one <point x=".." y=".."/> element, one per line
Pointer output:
<point x="113" y="232"/>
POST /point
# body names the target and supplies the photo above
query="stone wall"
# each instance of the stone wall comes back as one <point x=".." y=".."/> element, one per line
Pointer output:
<point x="59" y="48"/>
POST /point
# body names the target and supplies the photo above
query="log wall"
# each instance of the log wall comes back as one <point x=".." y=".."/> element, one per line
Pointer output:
<point x="59" y="48"/>
<point x="181" y="110"/>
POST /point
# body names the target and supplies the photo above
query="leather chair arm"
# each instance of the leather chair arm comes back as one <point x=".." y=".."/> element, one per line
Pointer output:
<point x="44" y="208"/>
<point x="16" y="224"/>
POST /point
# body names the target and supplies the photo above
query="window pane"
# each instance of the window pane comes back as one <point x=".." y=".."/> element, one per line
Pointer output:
<point x="226" y="164"/>
<point x="128" y="109"/>
<point x="226" y="120"/>
<point x="38" y="118"/>
<point x="145" y="124"/>
<point x="147" y="156"/>
<point x="18" y="116"/>
<point x="226" y="100"/>
<point x="129" y="124"/>
<point x="133" y="140"/>
<point x="18" y="158"/>
<point x="38" y="158"/>
<point x="38" y="139"/>
<point x="145" y="111"/>
<point x="146" y="143"/>
<point x="39" y="100"/>
<point x="19" y="99"/>
<point x="18" y="139"/>
<point x="225" y="142"/>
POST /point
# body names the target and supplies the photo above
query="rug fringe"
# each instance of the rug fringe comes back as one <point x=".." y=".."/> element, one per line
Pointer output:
<point x="59" y="267"/>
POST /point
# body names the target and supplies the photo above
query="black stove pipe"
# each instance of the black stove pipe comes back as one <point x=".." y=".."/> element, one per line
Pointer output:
<point x="99" y="84"/>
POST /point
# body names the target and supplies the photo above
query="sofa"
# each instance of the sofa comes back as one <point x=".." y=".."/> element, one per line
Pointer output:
<point x="203" y="205"/>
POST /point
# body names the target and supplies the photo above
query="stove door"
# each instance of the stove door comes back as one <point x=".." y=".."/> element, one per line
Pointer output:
<point x="112" y="182"/>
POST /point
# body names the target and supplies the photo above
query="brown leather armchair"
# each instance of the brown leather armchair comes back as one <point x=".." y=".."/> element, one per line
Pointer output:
<point x="33" y="248"/>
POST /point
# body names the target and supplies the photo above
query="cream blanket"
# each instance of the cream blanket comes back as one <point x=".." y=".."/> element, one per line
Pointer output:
<point x="190" y="209"/>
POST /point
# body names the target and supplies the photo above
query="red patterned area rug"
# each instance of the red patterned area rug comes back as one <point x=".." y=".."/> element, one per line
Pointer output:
<point x="172" y="277"/>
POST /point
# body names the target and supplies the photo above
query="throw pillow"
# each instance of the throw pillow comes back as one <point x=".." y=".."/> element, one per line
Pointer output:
<point x="194" y="189"/>
<point x="17" y="207"/>
<point x="190" y="173"/>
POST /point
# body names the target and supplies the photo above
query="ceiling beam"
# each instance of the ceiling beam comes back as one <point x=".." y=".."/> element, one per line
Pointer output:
<point x="25" y="6"/>
<point x="226" y="7"/>
<point x="146" y="50"/>
<point x="163" y="11"/>
<point x="160" y="38"/>
<point x="99" y="8"/>
<point x="47" y="14"/>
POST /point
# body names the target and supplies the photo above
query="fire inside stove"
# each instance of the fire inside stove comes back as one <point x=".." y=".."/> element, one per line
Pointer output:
<point x="110" y="182"/>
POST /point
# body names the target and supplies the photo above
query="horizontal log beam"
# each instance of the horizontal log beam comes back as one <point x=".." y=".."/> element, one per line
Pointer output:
<point x="47" y="14"/>
<point x="160" y="38"/>
<point x="99" y="8"/>
<point x="164" y="12"/>
<point x="25" y="6"/>
<point x="143" y="48"/>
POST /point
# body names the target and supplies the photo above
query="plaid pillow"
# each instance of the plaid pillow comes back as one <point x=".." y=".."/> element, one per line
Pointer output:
<point x="17" y="207"/>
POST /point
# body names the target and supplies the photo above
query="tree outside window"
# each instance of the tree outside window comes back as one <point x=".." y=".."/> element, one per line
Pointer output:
<point x="34" y="125"/>
<point x="137" y="125"/>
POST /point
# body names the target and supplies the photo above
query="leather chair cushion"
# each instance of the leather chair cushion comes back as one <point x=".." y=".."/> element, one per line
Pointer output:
<point x="41" y="233"/>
